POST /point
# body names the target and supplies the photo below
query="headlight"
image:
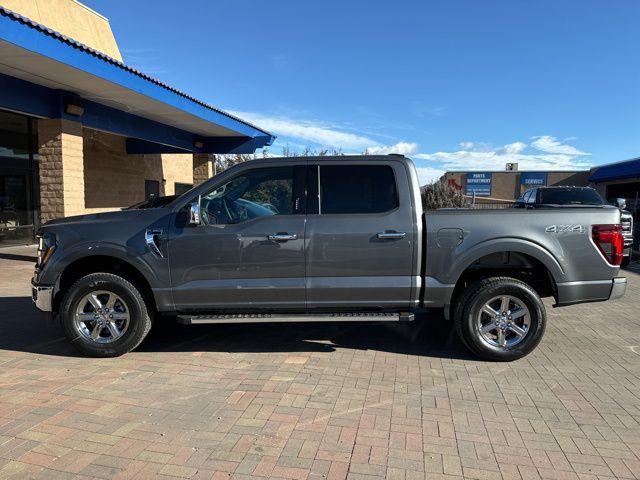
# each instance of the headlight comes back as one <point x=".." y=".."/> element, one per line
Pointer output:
<point x="46" y="247"/>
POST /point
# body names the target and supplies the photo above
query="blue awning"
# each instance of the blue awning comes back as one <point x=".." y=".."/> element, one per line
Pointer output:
<point x="40" y="67"/>
<point x="617" y="171"/>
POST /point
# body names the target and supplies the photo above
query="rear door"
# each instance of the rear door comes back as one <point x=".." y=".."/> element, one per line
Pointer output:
<point x="360" y="235"/>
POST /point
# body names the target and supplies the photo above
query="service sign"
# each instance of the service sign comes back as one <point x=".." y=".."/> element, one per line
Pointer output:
<point x="533" y="179"/>
<point x="479" y="184"/>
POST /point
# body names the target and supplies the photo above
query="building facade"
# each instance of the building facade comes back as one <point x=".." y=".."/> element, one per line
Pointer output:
<point x="509" y="185"/>
<point x="81" y="132"/>
<point x="618" y="180"/>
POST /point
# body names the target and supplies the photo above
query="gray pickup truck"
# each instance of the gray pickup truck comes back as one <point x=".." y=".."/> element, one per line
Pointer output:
<point x="322" y="239"/>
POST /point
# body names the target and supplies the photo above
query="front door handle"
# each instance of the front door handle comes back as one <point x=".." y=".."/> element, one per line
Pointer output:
<point x="282" y="237"/>
<point x="391" y="235"/>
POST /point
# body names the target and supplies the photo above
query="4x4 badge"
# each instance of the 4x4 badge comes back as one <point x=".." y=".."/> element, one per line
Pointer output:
<point x="565" y="229"/>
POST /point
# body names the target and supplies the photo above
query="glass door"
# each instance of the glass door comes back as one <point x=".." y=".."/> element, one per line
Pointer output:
<point x="18" y="179"/>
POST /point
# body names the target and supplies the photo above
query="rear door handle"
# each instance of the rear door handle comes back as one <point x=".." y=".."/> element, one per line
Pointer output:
<point x="282" y="237"/>
<point x="391" y="235"/>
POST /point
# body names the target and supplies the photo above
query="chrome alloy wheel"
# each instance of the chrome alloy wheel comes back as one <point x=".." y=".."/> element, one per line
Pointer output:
<point x="503" y="321"/>
<point x="102" y="316"/>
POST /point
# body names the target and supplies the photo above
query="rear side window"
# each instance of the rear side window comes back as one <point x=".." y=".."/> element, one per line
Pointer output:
<point x="357" y="189"/>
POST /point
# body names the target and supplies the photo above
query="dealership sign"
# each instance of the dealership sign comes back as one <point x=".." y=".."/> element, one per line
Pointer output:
<point x="479" y="184"/>
<point x="533" y="179"/>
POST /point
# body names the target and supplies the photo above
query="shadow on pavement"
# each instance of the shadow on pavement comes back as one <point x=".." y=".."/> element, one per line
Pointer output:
<point x="18" y="257"/>
<point x="23" y="328"/>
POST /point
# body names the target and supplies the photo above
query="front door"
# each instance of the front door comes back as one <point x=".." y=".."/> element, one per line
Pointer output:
<point x="360" y="236"/>
<point x="248" y="253"/>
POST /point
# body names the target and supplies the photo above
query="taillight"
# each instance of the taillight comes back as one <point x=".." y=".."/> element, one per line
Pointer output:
<point x="610" y="242"/>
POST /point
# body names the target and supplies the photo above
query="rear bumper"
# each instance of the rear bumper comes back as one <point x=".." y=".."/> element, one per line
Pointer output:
<point x="42" y="296"/>
<point x="619" y="287"/>
<point x="570" y="293"/>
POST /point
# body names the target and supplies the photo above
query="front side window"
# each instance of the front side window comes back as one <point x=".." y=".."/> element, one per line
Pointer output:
<point x="357" y="189"/>
<point x="254" y="193"/>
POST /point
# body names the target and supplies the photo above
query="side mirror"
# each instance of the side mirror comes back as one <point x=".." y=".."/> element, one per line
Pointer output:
<point x="621" y="203"/>
<point x="194" y="213"/>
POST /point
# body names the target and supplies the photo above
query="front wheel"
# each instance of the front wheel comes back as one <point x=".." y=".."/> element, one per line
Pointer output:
<point x="104" y="315"/>
<point x="500" y="318"/>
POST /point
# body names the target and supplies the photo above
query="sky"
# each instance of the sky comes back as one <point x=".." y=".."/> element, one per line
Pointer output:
<point x="453" y="84"/>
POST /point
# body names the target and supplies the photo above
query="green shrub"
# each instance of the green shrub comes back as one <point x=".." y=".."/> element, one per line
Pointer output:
<point x="439" y="194"/>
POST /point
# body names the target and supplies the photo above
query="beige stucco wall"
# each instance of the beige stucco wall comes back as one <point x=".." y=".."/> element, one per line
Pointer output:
<point x="71" y="18"/>
<point x="113" y="179"/>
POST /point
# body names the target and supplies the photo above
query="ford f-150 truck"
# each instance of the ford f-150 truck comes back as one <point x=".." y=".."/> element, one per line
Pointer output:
<point x="322" y="239"/>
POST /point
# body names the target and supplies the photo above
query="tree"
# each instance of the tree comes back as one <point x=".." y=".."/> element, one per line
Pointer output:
<point x="439" y="194"/>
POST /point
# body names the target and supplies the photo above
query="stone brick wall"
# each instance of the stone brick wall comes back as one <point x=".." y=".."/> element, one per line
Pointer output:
<point x="88" y="171"/>
<point x="61" y="168"/>
<point x="203" y="167"/>
<point x="114" y="179"/>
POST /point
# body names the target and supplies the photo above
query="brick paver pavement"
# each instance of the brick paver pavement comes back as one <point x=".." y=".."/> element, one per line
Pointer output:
<point x="319" y="401"/>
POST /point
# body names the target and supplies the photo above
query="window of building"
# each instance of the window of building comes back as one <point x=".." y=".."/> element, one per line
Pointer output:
<point x="180" y="188"/>
<point x="151" y="189"/>
<point x="18" y="179"/>
<point x="357" y="189"/>
<point x="255" y="193"/>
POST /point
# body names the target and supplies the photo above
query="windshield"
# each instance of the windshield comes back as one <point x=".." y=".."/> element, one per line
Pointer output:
<point x="570" y="196"/>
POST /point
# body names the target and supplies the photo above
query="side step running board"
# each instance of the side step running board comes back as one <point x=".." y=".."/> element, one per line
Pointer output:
<point x="296" y="317"/>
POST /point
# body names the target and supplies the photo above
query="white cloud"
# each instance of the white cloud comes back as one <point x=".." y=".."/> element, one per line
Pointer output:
<point x="311" y="131"/>
<point x="428" y="174"/>
<point x="548" y="154"/>
<point x="549" y="144"/>
<point x="545" y="152"/>
<point x="403" y="148"/>
<point x="513" y="148"/>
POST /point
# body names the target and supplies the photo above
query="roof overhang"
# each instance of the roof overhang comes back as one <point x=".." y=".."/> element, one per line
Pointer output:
<point x="629" y="169"/>
<point x="116" y="98"/>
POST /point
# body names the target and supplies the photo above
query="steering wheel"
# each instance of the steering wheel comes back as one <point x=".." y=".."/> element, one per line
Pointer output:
<point x="229" y="210"/>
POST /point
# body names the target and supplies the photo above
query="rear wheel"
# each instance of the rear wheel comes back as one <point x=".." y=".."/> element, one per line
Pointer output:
<point x="104" y="315"/>
<point x="500" y="318"/>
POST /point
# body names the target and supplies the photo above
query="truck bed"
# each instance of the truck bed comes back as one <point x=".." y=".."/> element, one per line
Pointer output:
<point x="558" y="238"/>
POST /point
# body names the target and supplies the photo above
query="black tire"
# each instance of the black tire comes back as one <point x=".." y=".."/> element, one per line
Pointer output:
<point x="139" y="322"/>
<point x="467" y="310"/>
<point x="625" y="261"/>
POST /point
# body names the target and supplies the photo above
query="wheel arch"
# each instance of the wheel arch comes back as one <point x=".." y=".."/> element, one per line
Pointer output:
<point x="529" y="263"/>
<point x="105" y="263"/>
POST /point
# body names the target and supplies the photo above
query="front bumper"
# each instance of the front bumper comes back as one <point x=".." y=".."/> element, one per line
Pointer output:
<point x="618" y="288"/>
<point x="42" y="296"/>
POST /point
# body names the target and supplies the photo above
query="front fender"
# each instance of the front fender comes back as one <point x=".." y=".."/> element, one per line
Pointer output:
<point x="137" y="259"/>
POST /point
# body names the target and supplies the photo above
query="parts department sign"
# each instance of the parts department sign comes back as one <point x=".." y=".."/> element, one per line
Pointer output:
<point x="534" y="179"/>
<point x="479" y="183"/>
